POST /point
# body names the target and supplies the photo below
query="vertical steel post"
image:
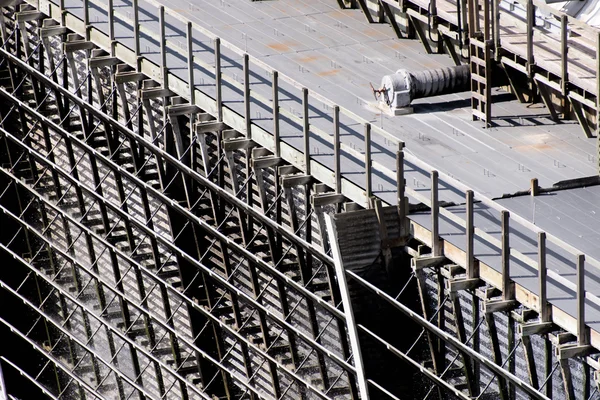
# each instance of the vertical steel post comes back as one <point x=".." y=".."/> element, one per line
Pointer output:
<point x="111" y="26"/>
<point x="368" y="162"/>
<point x="471" y="273"/>
<point x="471" y="14"/>
<point x="400" y="184"/>
<point x="306" y="130"/>
<point x="530" y="25"/>
<point x="486" y="20"/>
<point x="63" y="13"/>
<point x="218" y="80"/>
<point x="496" y="25"/>
<point x="276" y="138"/>
<point x="582" y="334"/>
<point x="340" y="273"/>
<point x="219" y="108"/>
<point x="542" y="278"/>
<point x="507" y="287"/>
<point x="163" y="47"/>
<point x="435" y="216"/>
<point x="247" y="116"/>
<point x="136" y="34"/>
<point x="277" y="148"/>
<point x="337" y="149"/>
<point x="598" y="101"/>
<point x="190" y="60"/>
<point x="192" y="86"/>
<point x="564" y="62"/>
<point x="86" y="18"/>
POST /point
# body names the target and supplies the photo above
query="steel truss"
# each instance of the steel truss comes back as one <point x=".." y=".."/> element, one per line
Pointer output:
<point x="140" y="195"/>
<point x="174" y="258"/>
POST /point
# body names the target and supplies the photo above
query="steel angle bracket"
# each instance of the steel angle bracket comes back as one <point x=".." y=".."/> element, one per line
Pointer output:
<point x="562" y="352"/>
<point x="419" y="263"/>
<point x="535" y="328"/>
<point x="459" y="284"/>
<point x="324" y="199"/>
<point x="493" y="306"/>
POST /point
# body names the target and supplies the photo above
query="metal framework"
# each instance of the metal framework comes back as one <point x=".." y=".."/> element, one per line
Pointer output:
<point x="491" y="36"/>
<point x="166" y="254"/>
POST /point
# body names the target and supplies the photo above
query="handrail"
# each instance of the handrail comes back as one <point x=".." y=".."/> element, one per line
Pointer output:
<point x="385" y="170"/>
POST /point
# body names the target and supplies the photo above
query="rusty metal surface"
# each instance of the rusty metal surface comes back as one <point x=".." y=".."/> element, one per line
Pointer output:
<point x="334" y="53"/>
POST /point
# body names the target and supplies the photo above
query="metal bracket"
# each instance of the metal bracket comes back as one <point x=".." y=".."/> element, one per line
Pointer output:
<point x="296" y="180"/>
<point x="266" y="162"/>
<point x="149" y="94"/>
<point x="70" y="47"/>
<point x="30" y="15"/>
<point x="51" y="31"/>
<point x="238" y="144"/>
<point x="458" y="284"/>
<point x="563" y="352"/>
<point x="493" y="306"/>
<point x="535" y="328"/>
<point x="419" y="263"/>
<point x="103" y="61"/>
<point x="209" y="126"/>
<point x="124" y="77"/>
<point x="324" y="199"/>
<point x="182" y="109"/>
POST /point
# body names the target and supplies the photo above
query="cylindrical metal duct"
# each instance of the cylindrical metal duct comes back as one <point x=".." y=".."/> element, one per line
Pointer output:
<point x="401" y="88"/>
<point x="434" y="82"/>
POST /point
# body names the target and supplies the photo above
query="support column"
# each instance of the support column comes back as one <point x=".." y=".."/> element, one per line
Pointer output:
<point x="340" y="273"/>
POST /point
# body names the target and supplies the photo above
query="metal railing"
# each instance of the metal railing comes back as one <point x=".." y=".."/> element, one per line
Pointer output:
<point x="244" y="123"/>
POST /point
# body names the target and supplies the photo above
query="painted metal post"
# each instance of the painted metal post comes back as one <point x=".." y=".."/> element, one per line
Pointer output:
<point x="470" y="230"/>
<point x="337" y="149"/>
<point x="542" y="278"/>
<point x="564" y="62"/>
<point x="400" y="182"/>
<point x="86" y="18"/>
<point x="486" y="20"/>
<point x="218" y="80"/>
<point x="435" y="216"/>
<point x="507" y="288"/>
<point x="340" y="273"/>
<point x="306" y="130"/>
<point x="598" y="101"/>
<point x="192" y="86"/>
<point x="464" y="21"/>
<point x="164" y="72"/>
<point x="247" y="116"/>
<point x="136" y="34"/>
<point x="368" y="162"/>
<point x="530" y="24"/>
<point x="471" y="14"/>
<point x="163" y="47"/>
<point x="496" y="25"/>
<point x="63" y="13"/>
<point x="582" y="333"/>
<point x="400" y="188"/>
<point x="111" y="26"/>
<point x="276" y="138"/>
<point x="190" y="60"/>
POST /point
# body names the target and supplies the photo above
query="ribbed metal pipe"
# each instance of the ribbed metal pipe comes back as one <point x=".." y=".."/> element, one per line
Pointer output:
<point x="401" y="88"/>
<point x="435" y="82"/>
